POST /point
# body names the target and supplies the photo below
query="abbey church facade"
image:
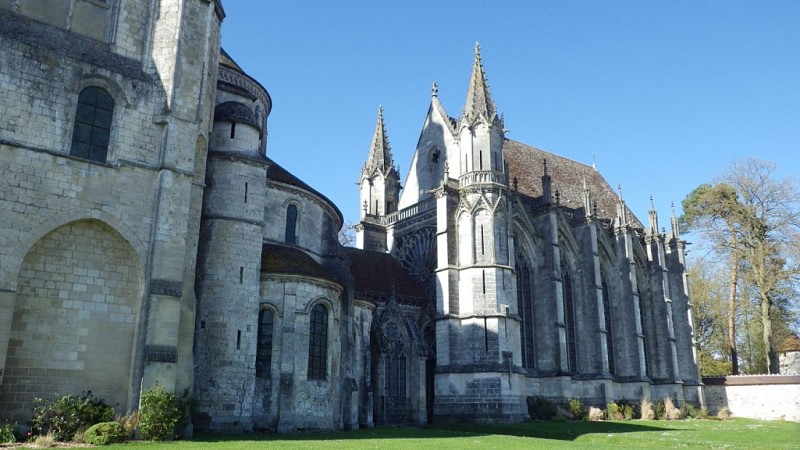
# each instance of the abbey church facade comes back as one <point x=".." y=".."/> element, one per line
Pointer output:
<point x="147" y="238"/>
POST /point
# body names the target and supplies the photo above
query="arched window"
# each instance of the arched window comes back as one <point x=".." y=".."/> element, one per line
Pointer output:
<point x="291" y="224"/>
<point x="643" y="328"/>
<point x="609" y="332"/>
<point x="92" y="130"/>
<point x="525" y="308"/>
<point x="266" y="322"/>
<point x="318" y="343"/>
<point x="569" y="321"/>
<point x="395" y="363"/>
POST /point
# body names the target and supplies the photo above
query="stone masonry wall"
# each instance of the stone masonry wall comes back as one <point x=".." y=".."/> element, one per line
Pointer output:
<point x="764" y="397"/>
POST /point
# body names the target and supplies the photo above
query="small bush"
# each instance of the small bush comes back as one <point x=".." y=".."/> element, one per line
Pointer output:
<point x="159" y="413"/>
<point x="539" y="408"/>
<point x="614" y="412"/>
<point x="46" y="440"/>
<point x="575" y="408"/>
<point x="596" y="414"/>
<point x="660" y="410"/>
<point x="628" y="412"/>
<point x="689" y="411"/>
<point x="129" y="421"/>
<point x="7" y="434"/>
<point x="646" y="411"/>
<point x="670" y="411"/>
<point x="702" y="413"/>
<point x="65" y="415"/>
<point x="106" y="433"/>
<point x="724" y="413"/>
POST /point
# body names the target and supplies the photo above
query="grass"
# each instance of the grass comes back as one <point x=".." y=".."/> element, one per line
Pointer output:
<point x="729" y="434"/>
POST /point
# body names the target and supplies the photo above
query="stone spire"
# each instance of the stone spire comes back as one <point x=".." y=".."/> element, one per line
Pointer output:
<point x="622" y="211"/>
<point x="587" y="200"/>
<point x="380" y="154"/>
<point x="479" y="99"/>
<point x="547" y="185"/>
<point x="675" y="227"/>
<point x="653" y="231"/>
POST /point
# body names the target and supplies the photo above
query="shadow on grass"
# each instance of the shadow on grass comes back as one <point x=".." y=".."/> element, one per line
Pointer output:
<point x="563" y="431"/>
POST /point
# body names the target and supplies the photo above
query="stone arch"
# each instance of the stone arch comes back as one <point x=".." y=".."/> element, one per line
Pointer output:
<point x="56" y="221"/>
<point x="75" y="318"/>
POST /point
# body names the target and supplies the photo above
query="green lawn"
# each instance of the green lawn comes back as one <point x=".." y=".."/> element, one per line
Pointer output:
<point x="730" y="434"/>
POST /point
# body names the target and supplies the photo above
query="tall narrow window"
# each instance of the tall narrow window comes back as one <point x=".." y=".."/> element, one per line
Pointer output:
<point x="395" y="363"/>
<point x="266" y="322"/>
<point x="643" y="324"/>
<point x="569" y="322"/>
<point x="92" y="130"/>
<point x="318" y="343"/>
<point x="609" y="331"/>
<point x="291" y="224"/>
<point x="525" y="308"/>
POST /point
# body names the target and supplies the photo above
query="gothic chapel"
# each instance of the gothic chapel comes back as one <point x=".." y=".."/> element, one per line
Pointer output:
<point x="148" y="238"/>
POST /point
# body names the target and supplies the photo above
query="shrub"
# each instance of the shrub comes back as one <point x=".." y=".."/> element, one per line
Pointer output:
<point x="646" y="411"/>
<point x="65" y="415"/>
<point x="575" y="408"/>
<point x="105" y="433"/>
<point x="724" y="413"/>
<point x="628" y="412"/>
<point x="614" y="412"/>
<point x="129" y="421"/>
<point x="7" y="434"/>
<point x="45" y="440"/>
<point x="670" y="411"/>
<point x="689" y="411"/>
<point x="660" y="410"/>
<point x="159" y="413"/>
<point x="596" y="414"/>
<point x="539" y="408"/>
<point x="702" y="413"/>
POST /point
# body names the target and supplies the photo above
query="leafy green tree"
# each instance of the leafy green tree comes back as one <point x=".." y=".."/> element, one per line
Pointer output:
<point x="715" y="211"/>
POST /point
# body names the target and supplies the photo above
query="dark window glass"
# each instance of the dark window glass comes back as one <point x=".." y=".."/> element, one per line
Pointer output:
<point x="569" y="319"/>
<point x="318" y="343"/>
<point x="609" y="331"/>
<point x="92" y="130"/>
<point x="525" y="308"/>
<point x="266" y="321"/>
<point x="291" y="224"/>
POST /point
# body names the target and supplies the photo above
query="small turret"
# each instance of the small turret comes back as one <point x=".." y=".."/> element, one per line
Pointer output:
<point x="481" y="130"/>
<point x="380" y="180"/>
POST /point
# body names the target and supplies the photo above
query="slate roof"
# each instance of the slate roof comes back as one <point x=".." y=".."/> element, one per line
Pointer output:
<point x="526" y="164"/>
<point x="278" y="173"/>
<point x="288" y="260"/>
<point x="379" y="273"/>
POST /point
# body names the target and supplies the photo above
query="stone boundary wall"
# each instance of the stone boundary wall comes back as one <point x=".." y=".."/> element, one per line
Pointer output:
<point x="765" y="397"/>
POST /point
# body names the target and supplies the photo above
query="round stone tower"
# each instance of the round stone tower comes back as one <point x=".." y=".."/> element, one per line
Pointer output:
<point x="231" y="236"/>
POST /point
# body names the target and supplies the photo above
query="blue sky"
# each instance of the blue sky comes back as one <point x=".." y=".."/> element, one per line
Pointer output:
<point x="663" y="95"/>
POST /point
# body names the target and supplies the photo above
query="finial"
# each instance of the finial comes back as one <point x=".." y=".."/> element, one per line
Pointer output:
<point x="515" y="183"/>
<point x="652" y="205"/>
<point x="435" y="89"/>
<point x="380" y="112"/>
<point x="619" y="189"/>
<point x="544" y="163"/>
<point x="477" y="49"/>
<point x="558" y="198"/>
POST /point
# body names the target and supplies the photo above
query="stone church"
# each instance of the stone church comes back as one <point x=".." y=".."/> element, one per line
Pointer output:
<point x="147" y="238"/>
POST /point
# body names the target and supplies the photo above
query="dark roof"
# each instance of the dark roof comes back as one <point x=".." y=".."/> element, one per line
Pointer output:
<point x="287" y="260"/>
<point x="226" y="60"/>
<point x="526" y="164"/>
<point x="277" y="173"/>
<point x="791" y="344"/>
<point x="380" y="273"/>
